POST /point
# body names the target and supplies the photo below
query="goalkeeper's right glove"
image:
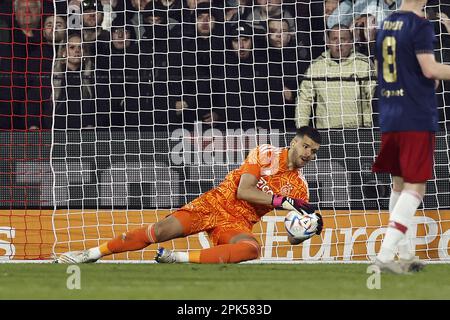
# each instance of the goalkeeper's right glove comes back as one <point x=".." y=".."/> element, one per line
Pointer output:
<point x="319" y="223"/>
<point x="299" y="205"/>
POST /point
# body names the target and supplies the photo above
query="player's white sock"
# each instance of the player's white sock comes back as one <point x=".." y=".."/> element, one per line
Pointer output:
<point x="399" y="221"/>
<point x="393" y="199"/>
<point x="395" y="195"/>
<point x="389" y="245"/>
<point x="405" y="250"/>
<point x="405" y="247"/>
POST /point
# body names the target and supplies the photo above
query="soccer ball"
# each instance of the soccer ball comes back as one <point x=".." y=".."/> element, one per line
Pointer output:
<point x="300" y="227"/>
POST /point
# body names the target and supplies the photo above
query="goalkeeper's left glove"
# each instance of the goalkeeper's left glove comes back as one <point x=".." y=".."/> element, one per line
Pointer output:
<point x="288" y="203"/>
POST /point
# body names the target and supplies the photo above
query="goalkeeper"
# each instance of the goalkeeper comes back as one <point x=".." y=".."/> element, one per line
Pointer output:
<point x="269" y="178"/>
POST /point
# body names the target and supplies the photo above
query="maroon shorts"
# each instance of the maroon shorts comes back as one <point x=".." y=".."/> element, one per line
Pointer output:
<point x="407" y="154"/>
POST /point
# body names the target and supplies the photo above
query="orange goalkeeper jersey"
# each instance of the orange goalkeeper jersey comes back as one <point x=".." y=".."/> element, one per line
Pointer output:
<point x="270" y="165"/>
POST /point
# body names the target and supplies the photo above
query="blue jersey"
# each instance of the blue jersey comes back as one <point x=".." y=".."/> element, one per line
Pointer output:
<point x="407" y="99"/>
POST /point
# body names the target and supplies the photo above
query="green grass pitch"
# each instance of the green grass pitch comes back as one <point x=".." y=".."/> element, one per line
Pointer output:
<point x="244" y="281"/>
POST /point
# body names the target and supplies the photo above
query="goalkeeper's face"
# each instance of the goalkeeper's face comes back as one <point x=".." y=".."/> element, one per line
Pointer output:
<point x="303" y="150"/>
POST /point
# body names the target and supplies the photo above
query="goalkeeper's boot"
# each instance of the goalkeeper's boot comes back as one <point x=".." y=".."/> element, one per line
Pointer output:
<point x="411" y="265"/>
<point x="165" y="256"/>
<point x="75" y="257"/>
<point x="389" y="267"/>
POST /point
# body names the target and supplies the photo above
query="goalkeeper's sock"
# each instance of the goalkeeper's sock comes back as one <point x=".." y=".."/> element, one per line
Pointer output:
<point x="227" y="253"/>
<point x="132" y="240"/>
<point x="183" y="257"/>
<point x="400" y="219"/>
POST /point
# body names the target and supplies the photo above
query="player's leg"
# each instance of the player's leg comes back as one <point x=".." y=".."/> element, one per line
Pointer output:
<point x="405" y="247"/>
<point x="233" y="246"/>
<point x="167" y="229"/>
<point x="136" y="239"/>
<point x="400" y="219"/>
<point x="416" y="167"/>
<point x="388" y="160"/>
<point x="397" y="188"/>
<point x="408" y="205"/>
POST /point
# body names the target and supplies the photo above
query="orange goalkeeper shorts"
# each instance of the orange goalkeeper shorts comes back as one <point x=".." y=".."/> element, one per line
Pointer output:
<point x="220" y="226"/>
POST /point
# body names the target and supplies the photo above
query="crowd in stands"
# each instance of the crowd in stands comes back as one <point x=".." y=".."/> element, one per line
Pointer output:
<point x="166" y="64"/>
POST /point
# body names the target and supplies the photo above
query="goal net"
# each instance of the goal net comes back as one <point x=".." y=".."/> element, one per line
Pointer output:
<point x="123" y="113"/>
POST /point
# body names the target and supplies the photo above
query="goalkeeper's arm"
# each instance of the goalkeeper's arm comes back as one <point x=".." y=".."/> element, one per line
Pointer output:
<point x="248" y="191"/>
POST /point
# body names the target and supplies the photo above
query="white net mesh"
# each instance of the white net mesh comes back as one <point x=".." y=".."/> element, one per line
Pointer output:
<point x="156" y="101"/>
<point x="183" y="105"/>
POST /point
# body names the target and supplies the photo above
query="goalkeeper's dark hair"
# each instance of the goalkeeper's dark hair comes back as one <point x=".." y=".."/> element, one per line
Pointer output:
<point x="313" y="133"/>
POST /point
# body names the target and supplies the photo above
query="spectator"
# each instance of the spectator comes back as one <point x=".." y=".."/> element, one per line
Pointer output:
<point x="203" y="59"/>
<point x="162" y="47"/>
<point x="286" y="62"/>
<point x="236" y="10"/>
<point x="208" y="22"/>
<point x="118" y="79"/>
<point x="329" y="7"/>
<point x="55" y="30"/>
<point x="320" y="12"/>
<point x="25" y="103"/>
<point x="110" y="9"/>
<point x="364" y="16"/>
<point x="338" y="90"/>
<point x="162" y="43"/>
<point x="73" y="86"/>
<point x="244" y="82"/>
<point x="135" y="16"/>
<point x="349" y="11"/>
<point x="189" y="7"/>
<point x="281" y="37"/>
<point x="174" y="9"/>
<point x="262" y="10"/>
<point x="54" y="36"/>
<point x="93" y="34"/>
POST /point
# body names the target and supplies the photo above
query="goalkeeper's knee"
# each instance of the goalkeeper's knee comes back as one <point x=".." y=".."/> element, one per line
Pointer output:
<point x="245" y="250"/>
<point x="231" y="253"/>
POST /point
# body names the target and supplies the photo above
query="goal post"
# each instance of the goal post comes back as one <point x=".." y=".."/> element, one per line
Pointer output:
<point x="137" y="133"/>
